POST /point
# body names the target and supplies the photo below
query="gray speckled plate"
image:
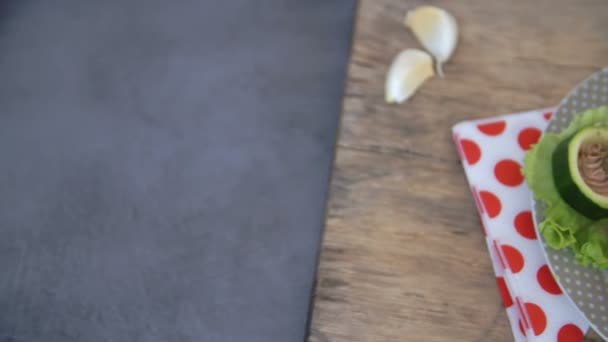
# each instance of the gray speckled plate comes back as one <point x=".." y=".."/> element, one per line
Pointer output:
<point x="586" y="287"/>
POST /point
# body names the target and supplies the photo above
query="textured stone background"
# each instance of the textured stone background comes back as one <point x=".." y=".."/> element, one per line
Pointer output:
<point x="164" y="166"/>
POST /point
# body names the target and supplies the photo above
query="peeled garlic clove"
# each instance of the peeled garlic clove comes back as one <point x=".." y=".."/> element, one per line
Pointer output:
<point x="436" y="30"/>
<point x="410" y="68"/>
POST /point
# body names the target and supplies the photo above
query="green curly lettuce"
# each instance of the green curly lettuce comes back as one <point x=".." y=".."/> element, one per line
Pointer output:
<point x="585" y="119"/>
<point x="592" y="245"/>
<point x="538" y="169"/>
<point x="563" y="226"/>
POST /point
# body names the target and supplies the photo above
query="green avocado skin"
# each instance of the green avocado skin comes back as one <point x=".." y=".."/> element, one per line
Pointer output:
<point x="566" y="187"/>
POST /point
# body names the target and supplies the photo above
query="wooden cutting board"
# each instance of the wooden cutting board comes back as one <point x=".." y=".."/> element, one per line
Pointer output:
<point x="403" y="256"/>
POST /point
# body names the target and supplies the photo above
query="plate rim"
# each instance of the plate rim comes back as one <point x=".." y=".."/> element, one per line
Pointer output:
<point x="535" y="214"/>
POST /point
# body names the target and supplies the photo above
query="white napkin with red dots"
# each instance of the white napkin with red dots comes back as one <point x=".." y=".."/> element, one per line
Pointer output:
<point x="492" y="152"/>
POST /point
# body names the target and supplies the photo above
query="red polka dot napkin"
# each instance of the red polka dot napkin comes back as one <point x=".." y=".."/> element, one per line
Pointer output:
<point x="492" y="152"/>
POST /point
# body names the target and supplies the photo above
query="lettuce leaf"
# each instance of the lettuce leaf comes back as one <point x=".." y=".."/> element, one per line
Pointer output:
<point x="590" y="117"/>
<point x="592" y="246"/>
<point x="538" y="169"/>
<point x="563" y="226"/>
<point x="556" y="235"/>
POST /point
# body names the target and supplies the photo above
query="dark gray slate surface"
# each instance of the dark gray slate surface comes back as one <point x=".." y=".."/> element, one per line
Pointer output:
<point x="164" y="166"/>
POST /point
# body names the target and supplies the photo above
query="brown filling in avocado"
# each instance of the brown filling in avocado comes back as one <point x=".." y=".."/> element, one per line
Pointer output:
<point x="592" y="164"/>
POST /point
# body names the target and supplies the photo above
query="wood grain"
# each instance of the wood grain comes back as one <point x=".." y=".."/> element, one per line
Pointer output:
<point x="403" y="257"/>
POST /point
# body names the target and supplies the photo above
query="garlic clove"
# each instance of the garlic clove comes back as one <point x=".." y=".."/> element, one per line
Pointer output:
<point x="410" y="68"/>
<point x="436" y="30"/>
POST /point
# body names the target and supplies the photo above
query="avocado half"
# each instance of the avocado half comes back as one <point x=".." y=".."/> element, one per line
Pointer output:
<point x="568" y="178"/>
